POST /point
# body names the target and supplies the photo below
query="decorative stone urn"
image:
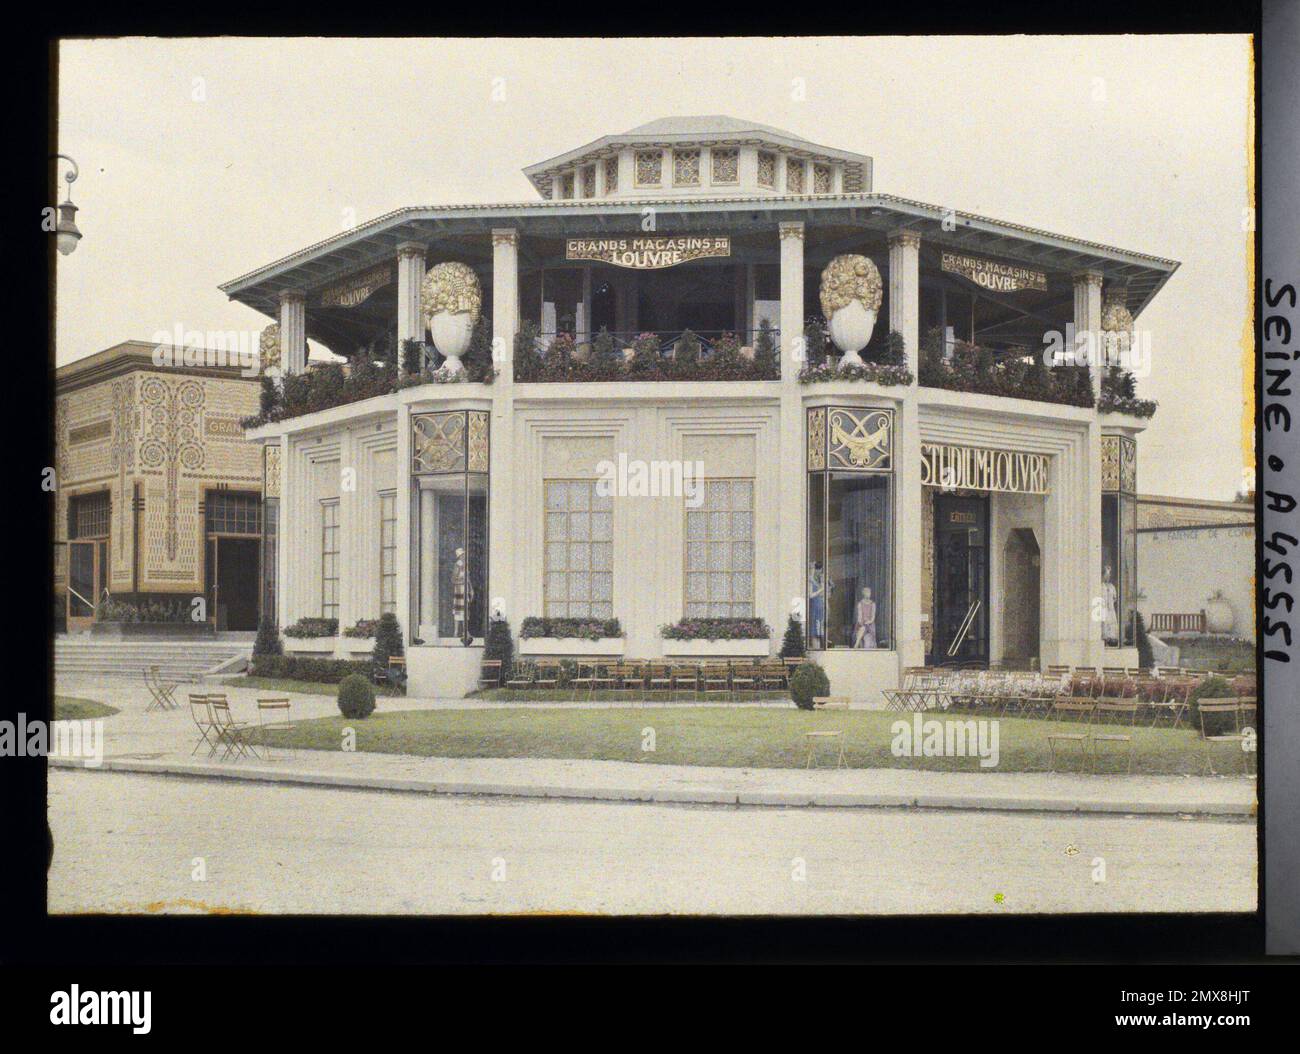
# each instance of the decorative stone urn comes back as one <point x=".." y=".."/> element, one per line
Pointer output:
<point x="1219" y="616"/>
<point x="451" y="301"/>
<point x="1116" y="324"/>
<point x="268" y="349"/>
<point x="850" y="296"/>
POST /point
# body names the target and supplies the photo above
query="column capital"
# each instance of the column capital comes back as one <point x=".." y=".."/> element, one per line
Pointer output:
<point x="907" y="238"/>
<point x="410" y="249"/>
<point x="505" y="236"/>
<point x="292" y="296"/>
<point x="1087" y="276"/>
<point x="791" y="229"/>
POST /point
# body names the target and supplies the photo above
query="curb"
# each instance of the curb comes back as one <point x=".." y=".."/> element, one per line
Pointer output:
<point x="768" y="799"/>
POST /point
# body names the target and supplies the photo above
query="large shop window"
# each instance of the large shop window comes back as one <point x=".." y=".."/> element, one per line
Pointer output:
<point x="579" y="577"/>
<point x="1119" y="540"/>
<point x="387" y="552"/>
<point x="720" y="551"/>
<point x="850" y="573"/>
<point x="449" y="525"/>
<point x="329" y="559"/>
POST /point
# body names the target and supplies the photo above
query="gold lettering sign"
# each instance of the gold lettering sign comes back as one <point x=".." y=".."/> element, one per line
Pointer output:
<point x="975" y="468"/>
<point x="992" y="275"/>
<point x="353" y="291"/>
<point x="646" y="253"/>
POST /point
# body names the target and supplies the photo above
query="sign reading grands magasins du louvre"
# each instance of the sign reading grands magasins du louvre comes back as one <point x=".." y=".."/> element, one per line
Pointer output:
<point x="993" y="275"/>
<point x="646" y="253"/>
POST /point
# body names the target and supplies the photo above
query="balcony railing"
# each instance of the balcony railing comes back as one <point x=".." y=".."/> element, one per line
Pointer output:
<point x="665" y="355"/>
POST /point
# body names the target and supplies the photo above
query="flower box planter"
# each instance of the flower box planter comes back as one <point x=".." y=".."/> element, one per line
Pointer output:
<point x="747" y="647"/>
<point x="310" y="645"/>
<point x="564" y="646"/>
<point x="356" y="647"/>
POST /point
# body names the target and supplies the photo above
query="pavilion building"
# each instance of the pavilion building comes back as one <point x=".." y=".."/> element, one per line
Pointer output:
<point x="659" y="312"/>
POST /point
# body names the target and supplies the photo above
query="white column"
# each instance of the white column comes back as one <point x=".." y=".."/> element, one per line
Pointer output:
<point x="791" y="541"/>
<point x="505" y="325"/>
<point x="793" y="353"/>
<point x="1087" y="320"/>
<point x="905" y="317"/>
<point x="505" y="300"/>
<point x="293" y="331"/>
<point x="410" y="277"/>
<point x="905" y="292"/>
<point x="285" y="587"/>
<point x="350" y="527"/>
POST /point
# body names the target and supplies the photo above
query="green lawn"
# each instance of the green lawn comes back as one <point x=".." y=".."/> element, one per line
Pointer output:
<point x="68" y="708"/>
<point x="731" y="737"/>
<point x="285" y="685"/>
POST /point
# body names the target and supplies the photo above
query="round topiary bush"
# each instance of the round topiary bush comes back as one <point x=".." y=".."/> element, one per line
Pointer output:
<point x="356" y="697"/>
<point x="806" y="683"/>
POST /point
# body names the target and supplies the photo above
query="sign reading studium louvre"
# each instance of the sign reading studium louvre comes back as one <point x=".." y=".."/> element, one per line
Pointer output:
<point x="646" y="253"/>
<point x="992" y="275"/>
<point x="978" y="468"/>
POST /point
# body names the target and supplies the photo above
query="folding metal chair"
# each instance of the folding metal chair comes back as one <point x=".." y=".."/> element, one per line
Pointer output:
<point x="744" y="678"/>
<point x="716" y="679"/>
<point x="1124" y="711"/>
<point x="1238" y="710"/>
<point x="685" y="677"/>
<point x="1071" y="710"/>
<point x="659" y="679"/>
<point x="235" y="736"/>
<point x="201" y="713"/>
<point x="273" y="715"/>
<point x="490" y="674"/>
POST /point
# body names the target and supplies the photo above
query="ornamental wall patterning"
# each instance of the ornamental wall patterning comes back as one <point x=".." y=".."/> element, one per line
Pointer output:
<point x="1118" y="464"/>
<point x="271" y="470"/>
<point x="816" y="439"/>
<point x="171" y="442"/>
<point x="860" y="440"/>
<point x="438" y="442"/>
<point x="122" y="459"/>
<point x="478" y="452"/>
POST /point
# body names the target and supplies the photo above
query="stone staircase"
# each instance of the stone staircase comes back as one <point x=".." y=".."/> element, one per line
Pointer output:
<point x="86" y="658"/>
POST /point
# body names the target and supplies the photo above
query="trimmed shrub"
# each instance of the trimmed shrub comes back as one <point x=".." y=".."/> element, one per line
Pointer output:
<point x="388" y="639"/>
<point x="268" y="639"/>
<point x="808" y="682"/>
<point x="306" y="668"/>
<point x="356" y="697"/>
<point x="499" y="647"/>
<point x="792" y="647"/>
<point x="1146" y="657"/>
<point x="1212" y="688"/>
<point x="311" y="626"/>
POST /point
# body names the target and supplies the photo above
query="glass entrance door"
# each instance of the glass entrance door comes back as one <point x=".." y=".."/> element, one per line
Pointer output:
<point x="961" y="575"/>
<point x="83" y="584"/>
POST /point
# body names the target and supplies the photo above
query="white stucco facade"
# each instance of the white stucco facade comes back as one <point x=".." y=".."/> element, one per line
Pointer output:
<point x="1038" y="544"/>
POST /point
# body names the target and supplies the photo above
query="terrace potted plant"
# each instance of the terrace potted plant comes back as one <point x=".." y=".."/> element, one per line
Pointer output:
<point x="570" y="636"/>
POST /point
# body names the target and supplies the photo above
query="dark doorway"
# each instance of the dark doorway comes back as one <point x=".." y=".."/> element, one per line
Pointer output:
<point x="237" y="566"/>
<point x="961" y="576"/>
<point x="604" y="304"/>
<point x="1020" y="598"/>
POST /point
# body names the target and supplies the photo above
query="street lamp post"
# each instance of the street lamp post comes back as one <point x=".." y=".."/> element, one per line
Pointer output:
<point x="66" y="234"/>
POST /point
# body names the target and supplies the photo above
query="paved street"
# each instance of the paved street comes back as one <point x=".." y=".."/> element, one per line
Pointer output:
<point x="127" y="842"/>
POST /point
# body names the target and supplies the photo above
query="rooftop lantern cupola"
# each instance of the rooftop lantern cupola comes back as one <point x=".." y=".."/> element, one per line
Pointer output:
<point x="703" y="157"/>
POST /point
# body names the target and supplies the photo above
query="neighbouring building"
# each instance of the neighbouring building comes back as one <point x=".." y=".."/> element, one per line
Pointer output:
<point x="1197" y="560"/>
<point x="932" y="492"/>
<point x="159" y="496"/>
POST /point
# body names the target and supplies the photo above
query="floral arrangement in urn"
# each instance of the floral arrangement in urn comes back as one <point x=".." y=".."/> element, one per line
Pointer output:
<point x="851" y="291"/>
<point x="268" y="347"/>
<point x="451" y="300"/>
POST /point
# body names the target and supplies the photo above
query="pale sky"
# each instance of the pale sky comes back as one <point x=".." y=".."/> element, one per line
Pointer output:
<point x="204" y="159"/>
